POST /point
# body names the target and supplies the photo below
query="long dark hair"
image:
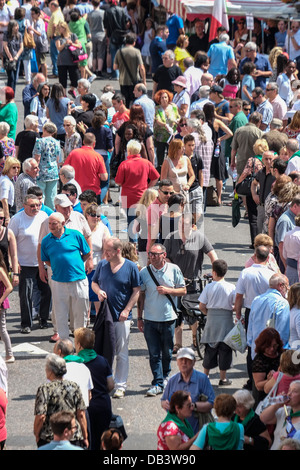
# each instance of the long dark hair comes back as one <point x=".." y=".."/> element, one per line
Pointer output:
<point x="57" y="93"/>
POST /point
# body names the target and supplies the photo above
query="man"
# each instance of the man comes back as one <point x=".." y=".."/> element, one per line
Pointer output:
<point x="134" y="175"/>
<point x="207" y="80"/>
<point x="262" y="64"/>
<point x="158" y="302"/>
<point x="158" y="47"/>
<point x="166" y="73"/>
<point x="203" y="93"/>
<point x="264" y="107"/>
<point x="293" y="163"/>
<point x="52" y="33"/>
<point x="291" y="252"/>
<point x="88" y="197"/>
<point x="117" y="280"/>
<point x="285" y="223"/>
<point x="292" y="40"/>
<point x="239" y="119"/>
<point x="264" y="307"/>
<point x="121" y="114"/>
<point x="63" y="425"/>
<point x="176" y="27"/>
<point x="129" y="62"/>
<point x="115" y="21"/>
<point x="198" y="41"/>
<point x="156" y="209"/>
<point x="243" y="140"/>
<point x="31" y="91"/>
<point x="88" y="164"/>
<point x="26" y="226"/>
<point x="65" y="251"/>
<point x="25" y="180"/>
<point x="261" y="187"/>
<point x="71" y="191"/>
<point x="192" y="75"/>
<point x="221" y="56"/>
<point x="193" y="381"/>
<point x="278" y="104"/>
<point x="67" y="175"/>
<point x="38" y="193"/>
<point x="148" y="105"/>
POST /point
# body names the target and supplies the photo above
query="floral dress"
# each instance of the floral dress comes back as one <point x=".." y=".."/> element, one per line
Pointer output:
<point x="8" y="149"/>
<point x="169" y="116"/>
<point x="49" y="150"/>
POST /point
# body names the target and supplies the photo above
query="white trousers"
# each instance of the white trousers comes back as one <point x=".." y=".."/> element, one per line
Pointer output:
<point x="70" y="299"/>
<point x="122" y="331"/>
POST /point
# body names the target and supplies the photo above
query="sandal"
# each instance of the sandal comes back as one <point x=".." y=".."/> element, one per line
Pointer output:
<point x="194" y="341"/>
<point x="176" y="348"/>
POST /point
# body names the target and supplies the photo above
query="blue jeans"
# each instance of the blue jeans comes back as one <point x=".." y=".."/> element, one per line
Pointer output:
<point x="131" y="216"/>
<point x="12" y="76"/>
<point x="104" y="184"/>
<point x="113" y="50"/>
<point x="54" y="55"/>
<point x="159" y="338"/>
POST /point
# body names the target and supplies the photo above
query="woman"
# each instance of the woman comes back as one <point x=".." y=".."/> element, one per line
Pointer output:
<point x="8" y="248"/>
<point x="73" y="139"/>
<point x="57" y="108"/>
<point x="264" y="240"/>
<point x="38" y="28"/>
<point x="112" y="440"/>
<point x="26" y="139"/>
<point x="175" y="432"/>
<point x="27" y="52"/>
<point x="100" y="233"/>
<point x="165" y="123"/>
<point x="272" y="199"/>
<point x="241" y="31"/>
<point x="256" y="435"/>
<point x="131" y="132"/>
<point x="8" y="110"/>
<point x="56" y="395"/>
<point x="181" y="97"/>
<point x="220" y="133"/>
<point x="268" y="349"/>
<point x="5" y="289"/>
<point x="288" y="368"/>
<point x="38" y="105"/>
<point x="224" y="434"/>
<point x="177" y="168"/>
<point x="294" y="302"/>
<point x="7" y="144"/>
<point x="13" y="48"/>
<point x="99" y="409"/>
<point x="85" y="117"/>
<point x="181" y="129"/>
<point x="7" y="191"/>
<point x="65" y="65"/>
<point x="293" y="128"/>
<point x="77" y="26"/>
<point x="47" y="152"/>
<point x="181" y="52"/>
<point x="231" y="83"/>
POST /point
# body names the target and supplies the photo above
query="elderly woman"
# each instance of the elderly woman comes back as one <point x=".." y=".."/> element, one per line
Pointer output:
<point x="73" y="139"/>
<point x="165" y="123"/>
<point x="47" y="152"/>
<point x="57" y="394"/>
<point x="272" y="198"/>
<point x="26" y="139"/>
<point x="175" y="432"/>
<point x="177" y="168"/>
<point x="99" y="409"/>
<point x="7" y="144"/>
<point x="181" y="97"/>
<point x="83" y="88"/>
<point x="8" y="110"/>
<point x="294" y="302"/>
<point x="7" y="190"/>
<point x="256" y="435"/>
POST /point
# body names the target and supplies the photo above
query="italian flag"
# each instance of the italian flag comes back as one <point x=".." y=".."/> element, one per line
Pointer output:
<point x="218" y="18"/>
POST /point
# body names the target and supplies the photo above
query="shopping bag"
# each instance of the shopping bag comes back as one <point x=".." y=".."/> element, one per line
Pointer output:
<point x="236" y="338"/>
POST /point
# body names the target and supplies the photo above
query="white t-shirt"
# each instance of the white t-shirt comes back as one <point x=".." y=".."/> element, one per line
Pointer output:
<point x="253" y="281"/>
<point x="7" y="189"/>
<point x="80" y="374"/>
<point x="218" y="294"/>
<point x="26" y="230"/>
<point x="98" y="238"/>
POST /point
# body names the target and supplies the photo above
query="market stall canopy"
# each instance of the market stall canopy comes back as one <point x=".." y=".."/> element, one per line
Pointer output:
<point x="262" y="9"/>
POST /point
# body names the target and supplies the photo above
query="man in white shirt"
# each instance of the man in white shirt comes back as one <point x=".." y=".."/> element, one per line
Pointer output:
<point x="193" y="76"/>
<point x="278" y="104"/>
<point x="26" y="226"/>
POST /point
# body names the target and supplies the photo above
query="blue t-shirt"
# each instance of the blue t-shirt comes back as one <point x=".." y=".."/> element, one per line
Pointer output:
<point x="118" y="286"/>
<point x="174" y="23"/>
<point x="65" y="255"/>
<point x="219" y="54"/>
<point x="157" y="48"/>
<point x="249" y="82"/>
<point x="59" y="445"/>
<point x="57" y="117"/>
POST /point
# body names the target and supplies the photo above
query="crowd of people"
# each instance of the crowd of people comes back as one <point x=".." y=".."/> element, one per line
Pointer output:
<point x="217" y="113"/>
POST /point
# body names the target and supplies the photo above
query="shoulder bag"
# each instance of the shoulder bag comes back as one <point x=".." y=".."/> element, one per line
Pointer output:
<point x="167" y="295"/>
<point x="265" y="403"/>
<point x="28" y="40"/>
<point x="134" y="82"/>
<point x="244" y="187"/>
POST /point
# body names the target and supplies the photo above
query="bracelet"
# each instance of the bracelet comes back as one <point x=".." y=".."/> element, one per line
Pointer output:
<point x="140" y="318"/>
<point x="250" y="440"/>
<point x="16" y="274"/>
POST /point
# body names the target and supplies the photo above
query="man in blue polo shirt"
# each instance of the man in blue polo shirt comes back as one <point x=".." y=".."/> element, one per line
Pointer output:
<point x="262" y="64"/>
<point x="66" y="250"/>
<point x="176" y="27"/>
<point x="221" y="56"/>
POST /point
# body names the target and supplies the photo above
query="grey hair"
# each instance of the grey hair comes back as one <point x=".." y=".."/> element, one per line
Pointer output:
<point x="134" y="147"/>
<point x="245" y="398"/>
<point x="30" y="120"/>
<point x="195" y="124"/>
<point x="224" y="37"/>
<point x="292" y="145"/>
<point x="170" y="53"/>
<point x="70" y="119"/>
<point x="26" y="165"/>
<point x="141" y="87"/>
<point x="273" y="85"/>
<point x="251" y="45"/>
<point x="56" y="364"/>
<point x="275" y="280"/>
<point x="4" y="128"/>
<point x="85" y="83"/>
<point x="68" y="172"/>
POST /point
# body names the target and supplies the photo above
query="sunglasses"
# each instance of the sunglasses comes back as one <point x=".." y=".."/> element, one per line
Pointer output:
<point x="94" y="216"/>
<point x="167" y="192"/>
<point x="150" y="253"/>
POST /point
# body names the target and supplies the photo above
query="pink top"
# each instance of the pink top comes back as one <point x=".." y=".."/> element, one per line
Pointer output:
<point x="5" y="304"/>
<point x="284" y="384"/>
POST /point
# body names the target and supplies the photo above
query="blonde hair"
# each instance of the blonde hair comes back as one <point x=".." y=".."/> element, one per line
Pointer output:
<point x="174" y="147"/>
<point x="64" y="24"/>
<point x="147" y="198"/>
<point x="260" y="146"/>
<point x="9" y="162"/>
<point x="263" y="239"/>
<point x="274" y="53"/>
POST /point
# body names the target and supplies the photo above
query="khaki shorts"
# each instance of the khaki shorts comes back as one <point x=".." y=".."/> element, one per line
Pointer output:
<point x="40" y="57"/>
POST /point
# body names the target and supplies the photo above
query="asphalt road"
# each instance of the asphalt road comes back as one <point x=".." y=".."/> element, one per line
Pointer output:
<point x="141" y="414"/>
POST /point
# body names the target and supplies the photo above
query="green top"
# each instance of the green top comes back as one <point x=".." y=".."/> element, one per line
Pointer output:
<point x="226" y="440"/>
<point x="9" y="114"/>
<point x="184" y="426"/>
<point x="239" y="120"/>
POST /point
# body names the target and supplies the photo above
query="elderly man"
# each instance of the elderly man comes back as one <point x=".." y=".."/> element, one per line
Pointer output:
<point x="148" y="105"/>
<point x="30" y="91"/>
<point x="67" y="175"/>
<point x="261" y="187"/>
<point x="193" y="381"/>
<point x="293" y="163"/>
<point x="264" y="107"/>
<point x="25" y="180"/>
<point x="26" y="226"/>
<point x="84" y="88"/>
<point x="65" y="251"/>
<point x="221" y="56"/>
<point x="198" y="41"/>
<point x="285" y="223"/>
<point x="166" y="73"/>
<point x="162" y="283"/>
<point x="262" y="64"/>
<point x="278" y="104"/>
<point x="117" y="279"/>
<point x="203" y="93"/>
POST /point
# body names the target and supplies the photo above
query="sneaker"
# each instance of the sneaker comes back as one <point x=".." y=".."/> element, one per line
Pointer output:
<point x="155" y="390"/>
<point x="10" y="360"/>
<point x="119" y="393"/>
<point x="92" y="78"/>
<point x="26" y="330"/>
<point x="54" y="338"/>
<point x="223" y="383"/>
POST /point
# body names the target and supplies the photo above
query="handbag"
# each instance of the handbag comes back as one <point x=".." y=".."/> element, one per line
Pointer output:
<point x="236" y="338"/>
<point x="77" y="54"/>
<point x="28" y="40"/>
<point x="263" y="404"/>
<point x="244" y="187"/>
<point x="167" y="295"/>
<point x="10" y="65"/>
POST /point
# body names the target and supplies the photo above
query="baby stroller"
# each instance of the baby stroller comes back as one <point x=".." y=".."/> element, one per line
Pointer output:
<point x="191" y="312"/>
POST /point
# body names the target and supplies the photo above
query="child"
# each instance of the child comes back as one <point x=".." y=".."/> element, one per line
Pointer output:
<point x="248" y="83"/>
<point x="5" y="289"/>
<point x="195" y="191"/>
<point x="216" y="301"/>
<point x="148" y="35"/>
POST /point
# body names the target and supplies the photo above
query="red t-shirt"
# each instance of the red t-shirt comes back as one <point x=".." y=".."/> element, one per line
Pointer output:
<point x="119" y="118"/>
<point x="88" y="166"/>
<point x="133" y="175"/>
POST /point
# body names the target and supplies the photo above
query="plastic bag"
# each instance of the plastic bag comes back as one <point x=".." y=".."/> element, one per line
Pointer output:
<point x="236" y="338"/>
